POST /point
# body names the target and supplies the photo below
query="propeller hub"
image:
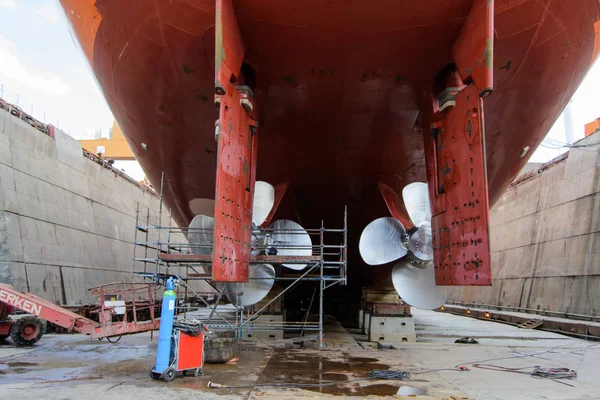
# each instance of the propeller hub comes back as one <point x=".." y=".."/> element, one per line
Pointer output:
<point x="421" y="244"/>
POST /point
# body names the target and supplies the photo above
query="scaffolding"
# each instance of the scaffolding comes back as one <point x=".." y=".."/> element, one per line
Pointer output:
<point x="190" y="263"/>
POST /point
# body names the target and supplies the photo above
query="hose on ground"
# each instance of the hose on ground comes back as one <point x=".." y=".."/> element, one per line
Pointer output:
<point x="388" y="374"/>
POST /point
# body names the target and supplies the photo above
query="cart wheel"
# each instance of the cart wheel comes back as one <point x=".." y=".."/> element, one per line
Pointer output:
<point x="153" y="375"/>
<point x="26" y="331"/>
<point x="196" y="372"/>
<point x="169" y="374"/>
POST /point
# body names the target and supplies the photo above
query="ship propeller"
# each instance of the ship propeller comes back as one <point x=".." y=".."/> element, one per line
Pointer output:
<point x="288" y="238"/>
<point x="416" y="200"/>
<point x="260" y="277"/>
<point x="200" y="234"/>
<point x="260" y="281"/>
<point x="385" y="240"/>
<point x="415" y="284"/>
<point x="283" y="237"/>
<point x="264" y="200"/>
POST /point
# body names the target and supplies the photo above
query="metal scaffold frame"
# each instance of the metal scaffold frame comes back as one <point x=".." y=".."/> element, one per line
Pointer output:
<point x="189" y="262"/>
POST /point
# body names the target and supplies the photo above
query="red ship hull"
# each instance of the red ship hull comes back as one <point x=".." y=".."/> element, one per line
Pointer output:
<point x="340" y="90"/>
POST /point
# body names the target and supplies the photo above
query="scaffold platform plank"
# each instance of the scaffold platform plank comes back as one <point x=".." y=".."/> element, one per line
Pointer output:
<point x="207" y="258"/>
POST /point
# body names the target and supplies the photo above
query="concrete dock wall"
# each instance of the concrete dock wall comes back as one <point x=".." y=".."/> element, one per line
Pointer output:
<point x="545" y="237"/>
<point x="66" y="222"/>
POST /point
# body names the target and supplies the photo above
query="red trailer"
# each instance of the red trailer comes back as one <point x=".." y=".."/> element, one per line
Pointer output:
<point x="28" y="330"/>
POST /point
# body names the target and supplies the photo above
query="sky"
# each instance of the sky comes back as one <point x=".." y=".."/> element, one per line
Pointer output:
<point x="43" y="70"/>
<point x="585" y="107"/>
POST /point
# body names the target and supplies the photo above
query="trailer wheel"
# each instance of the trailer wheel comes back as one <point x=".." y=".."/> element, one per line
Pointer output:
<point x="3" y="337"/>
<point x="26" y="331"/>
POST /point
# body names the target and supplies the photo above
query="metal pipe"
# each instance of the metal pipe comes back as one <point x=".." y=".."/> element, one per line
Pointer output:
<point x="280" y="294"/>
<point x="332" y="284"/>
<point x="162" y="183"/>
<point x="146" y="249"/>
<point x="345" y="256"/>
<point x="137" y="214"/>
<point x="200" y="297"/>
<point x="321" y="282"/>
<point x="212" y="311"/>
<point x="308" y="309"/>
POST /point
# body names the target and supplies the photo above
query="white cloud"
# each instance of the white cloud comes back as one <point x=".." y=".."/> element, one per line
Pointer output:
<point x="8" y="4"/>
<point x="11" y="68"/>
<point x="6" y="46"/>
<point x="48" y="11"/>
<point x="584" y="108"/>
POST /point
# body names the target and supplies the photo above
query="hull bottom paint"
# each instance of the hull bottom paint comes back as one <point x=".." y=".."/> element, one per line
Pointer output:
<point x="340" y="93"/>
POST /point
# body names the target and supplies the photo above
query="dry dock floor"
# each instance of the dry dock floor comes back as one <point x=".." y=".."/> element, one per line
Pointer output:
<point x="75" y="367"/>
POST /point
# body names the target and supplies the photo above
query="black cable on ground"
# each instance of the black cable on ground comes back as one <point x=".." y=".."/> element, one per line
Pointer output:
<point x="388" y="374"/>
<point x="536" y="372"/>
<point x="513" y="356"/>
<point x="554" y="373"/>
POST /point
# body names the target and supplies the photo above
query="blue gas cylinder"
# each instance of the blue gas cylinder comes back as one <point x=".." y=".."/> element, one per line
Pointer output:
<point x="167" y="315"/>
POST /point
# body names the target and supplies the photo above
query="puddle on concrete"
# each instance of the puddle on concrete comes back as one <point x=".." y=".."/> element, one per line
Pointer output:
<point x="294" y="367"/>
<point x="300" y="367"/>
<point x="21" y="364"/>
<point x="241" y="371"/>
<point x="22" y="374"/>
<point x="257" y="364"/>
<point x="363" y="360"/>
<point x="15" y="367"/>
<point x="80" y="360"/>
<point x="380" y="390"/>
